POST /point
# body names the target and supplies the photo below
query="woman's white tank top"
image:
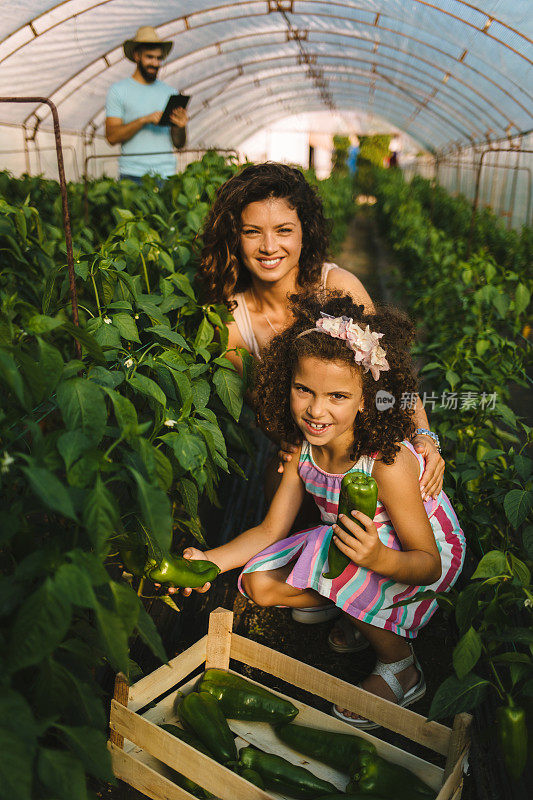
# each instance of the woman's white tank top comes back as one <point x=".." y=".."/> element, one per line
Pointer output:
<point x="241" y="315"/>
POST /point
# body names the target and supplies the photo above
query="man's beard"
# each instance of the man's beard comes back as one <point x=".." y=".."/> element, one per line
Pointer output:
<point x="149" y="77"/>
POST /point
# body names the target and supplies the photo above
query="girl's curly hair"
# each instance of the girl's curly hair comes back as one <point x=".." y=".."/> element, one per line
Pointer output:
<point x="221" y="269"/>
<point x="374" y="429"/>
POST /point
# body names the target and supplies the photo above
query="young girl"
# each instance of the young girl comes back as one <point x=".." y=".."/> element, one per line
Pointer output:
<point x="339" y="377"/>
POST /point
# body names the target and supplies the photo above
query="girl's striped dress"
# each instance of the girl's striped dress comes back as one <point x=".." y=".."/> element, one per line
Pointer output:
<point x="363" y="594"/>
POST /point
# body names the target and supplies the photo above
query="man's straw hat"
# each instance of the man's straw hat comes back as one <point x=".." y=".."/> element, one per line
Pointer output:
<point x="145" y="35"/>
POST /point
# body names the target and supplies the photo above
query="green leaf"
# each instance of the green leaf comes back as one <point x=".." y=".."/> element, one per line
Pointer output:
<point x="189" y="495"/>
<point x="100" y="515"/>
<point x="40" y="625"/>
<point x="127" y="605"/>
<point x="452" y="377"/>
<point x="108" y="336"/>
<point x="190" y="450"/>
<point x="83" y="407"/>
<point x="456" y="695"/>
<point x="156" y="511"/>
<point x="90" y="746"/>
<point x="40" y="323"/>
<point x="520" y="570"/>
<point x="517" y="504"/>
<point x="50" y="490"/>
<point x="88" y="341"/>
<point x="204" y="335"/>
<point x="9" y="371"/>
<point x="466" y="606"/>
<point x="148" y="387"/>
<point x="522" y="298"/>
<point x="16" y="767"/>
<point x="466" y="653"/>
<point x="527" y="541"/>
<point x="62" y="774"/>
<point x="492" y="564"/>
<point x="501" y="303"/>
<point x="183" y="284"/>
<point x="213" y="436"/>
<point x="164" y="332"/>
<point x="125" y="415"/>
<point x="228" y="386"/>
<point x="201" y="392"/>
<point x="126" y="327"/>
<point x="114" y="638"/>
<point x="72" y="445"/>
<point x="51" y="365"/>
<point x="73" y="583"/>
<point x="163" y="469"/>
<point x="150" y="635"/>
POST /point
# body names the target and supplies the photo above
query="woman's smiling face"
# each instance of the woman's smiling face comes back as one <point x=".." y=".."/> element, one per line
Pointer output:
<point x="325" y="399"/>
<point x="271" y="239"/>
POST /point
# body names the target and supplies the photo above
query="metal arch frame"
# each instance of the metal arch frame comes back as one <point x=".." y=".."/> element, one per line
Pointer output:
<point x="302" y="71"/>
<point x="308" y="101"/>
<point x="350" y="36"/>
<point x="375" y="24"/>
<point x="263" y="61"/>
<point x="490" y="19"/>
<point x="282" y="98"/>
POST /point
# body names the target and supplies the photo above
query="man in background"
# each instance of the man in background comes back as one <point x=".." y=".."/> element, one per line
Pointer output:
<point x="134" y="107"/>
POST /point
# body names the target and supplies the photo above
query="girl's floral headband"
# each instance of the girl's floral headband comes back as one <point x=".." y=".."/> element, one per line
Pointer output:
<point x="364" y="343"/>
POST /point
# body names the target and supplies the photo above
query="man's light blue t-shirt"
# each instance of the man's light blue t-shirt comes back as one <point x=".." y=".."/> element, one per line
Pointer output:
<point x="129" y="100"/>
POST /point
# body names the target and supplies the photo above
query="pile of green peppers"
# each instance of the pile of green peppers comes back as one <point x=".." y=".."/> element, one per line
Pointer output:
<point x="359" y="492"/>
<point x="171" y="570"/>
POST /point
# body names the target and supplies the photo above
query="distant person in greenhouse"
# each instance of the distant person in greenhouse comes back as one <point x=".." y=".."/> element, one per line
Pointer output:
<point x="265" y="238"/>
<point x="351" y="161"/>
<point x="134" y="108"/>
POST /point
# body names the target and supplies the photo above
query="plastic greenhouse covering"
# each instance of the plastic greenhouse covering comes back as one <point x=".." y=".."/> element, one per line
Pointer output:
<point x="444" y="72"/>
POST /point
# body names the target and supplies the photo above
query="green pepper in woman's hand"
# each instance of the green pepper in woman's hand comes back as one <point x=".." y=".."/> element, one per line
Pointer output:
<point x="359" y="492"/>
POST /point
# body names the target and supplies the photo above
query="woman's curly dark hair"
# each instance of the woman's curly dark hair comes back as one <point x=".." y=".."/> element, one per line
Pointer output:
<point x="374" y="429"/>
<point x="220" y="268"/>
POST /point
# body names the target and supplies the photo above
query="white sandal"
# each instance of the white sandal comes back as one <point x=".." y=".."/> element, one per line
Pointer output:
<point x="388" y="672"/>
<point x="315" y="614"/>
<point x="354" y="641"/>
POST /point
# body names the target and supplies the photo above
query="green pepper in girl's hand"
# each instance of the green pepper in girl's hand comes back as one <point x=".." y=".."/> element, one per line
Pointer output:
<point x="359" y="492"/>
<point x="181" y="572"/>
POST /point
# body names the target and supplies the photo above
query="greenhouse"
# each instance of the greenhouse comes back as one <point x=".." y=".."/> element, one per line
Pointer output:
<point x="252" y="252"/>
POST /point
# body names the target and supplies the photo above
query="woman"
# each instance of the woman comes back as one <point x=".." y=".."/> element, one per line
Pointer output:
<point x="266" y="238"/>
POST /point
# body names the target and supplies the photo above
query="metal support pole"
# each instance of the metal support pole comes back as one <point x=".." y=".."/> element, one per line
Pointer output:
<point x="64" y="202"/>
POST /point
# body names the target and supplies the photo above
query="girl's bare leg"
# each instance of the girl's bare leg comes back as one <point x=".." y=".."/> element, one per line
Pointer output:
<point x="269" y="588"/>
<point x="388" y="647"/>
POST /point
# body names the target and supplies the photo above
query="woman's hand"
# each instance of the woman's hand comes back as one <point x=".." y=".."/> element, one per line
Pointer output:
<point x="285" y="453"/>
<point x="432" y="479"/>
<point x="362" y="545"/>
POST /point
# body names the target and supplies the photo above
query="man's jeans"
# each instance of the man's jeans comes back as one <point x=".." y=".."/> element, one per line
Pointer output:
<point x="135" y="178"/>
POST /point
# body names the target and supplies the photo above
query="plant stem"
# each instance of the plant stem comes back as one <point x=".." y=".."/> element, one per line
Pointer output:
<point x="145" y="274"/>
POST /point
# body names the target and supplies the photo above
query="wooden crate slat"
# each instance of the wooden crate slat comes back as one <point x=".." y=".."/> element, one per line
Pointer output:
<point x="391" y="716"/>
<point x="167" y="676"/>
<point x="453" y="785"/>
<point x="219" y="639"/>
<point x="219" y="780"/>
<point x="144" y="778"/>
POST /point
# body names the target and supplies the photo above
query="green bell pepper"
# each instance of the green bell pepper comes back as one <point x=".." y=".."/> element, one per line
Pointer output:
<point x="186" y="783"/>
<point x="338" y="750"/>
<point x="282" y="776"/>
<point x="240" y="699"/>
<point x="201" y="713"/>
<point x="181" y="572"/>
<point x="512" y="735"/>
<point x="359" y="492"/>
<point x="373" y="775"/>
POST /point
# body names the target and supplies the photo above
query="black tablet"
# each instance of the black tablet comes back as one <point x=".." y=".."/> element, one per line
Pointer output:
<point x="174" y="101"/>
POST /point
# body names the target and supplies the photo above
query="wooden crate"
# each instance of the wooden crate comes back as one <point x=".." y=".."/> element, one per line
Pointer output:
<point x="140" y="749"/>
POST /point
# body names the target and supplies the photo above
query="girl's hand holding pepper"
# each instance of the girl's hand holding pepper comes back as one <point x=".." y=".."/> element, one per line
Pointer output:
<point x="193" y="554"/>
<point x="362" y="545"/>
